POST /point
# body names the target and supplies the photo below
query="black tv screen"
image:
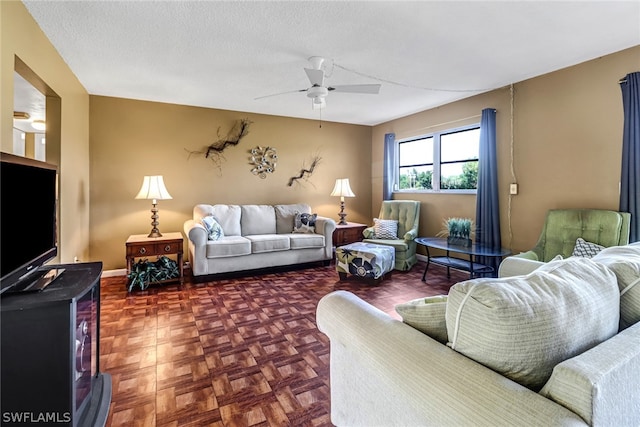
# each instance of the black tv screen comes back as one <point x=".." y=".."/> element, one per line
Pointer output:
<point x="28" y="226"/>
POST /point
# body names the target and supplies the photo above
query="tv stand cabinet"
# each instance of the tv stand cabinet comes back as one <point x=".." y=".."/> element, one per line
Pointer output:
<point x="50" y="352"/>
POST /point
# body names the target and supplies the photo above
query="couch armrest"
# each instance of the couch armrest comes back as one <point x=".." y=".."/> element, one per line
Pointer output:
<point x="384" y="372"/>
<point x="527" y="255"/>
<point x="410" y="235"/>
<point x="368" y="233"/>
<point x="326" y="226"/>
<point x="197" y="243"/>
<point x="601" y="384"/>
<point x="516" y="266"/>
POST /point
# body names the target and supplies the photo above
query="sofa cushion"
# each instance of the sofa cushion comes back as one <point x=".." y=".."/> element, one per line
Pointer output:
<point x="258" y="219"/>
<point x="428" y="315"/>
<point x="523" y="326"/>
<point x="268" y="243"/>
<point x="624" y="261"/>
<point x="586" y="249"/>
<point x="285" y="216"/>
<point x="385" y="228"/>
<point x="305" y="223"/>
<point x="228" y="217"/>
<point x="306" y="240"/>
<point x="228" y="246"/>
<point x="214" y="229"/>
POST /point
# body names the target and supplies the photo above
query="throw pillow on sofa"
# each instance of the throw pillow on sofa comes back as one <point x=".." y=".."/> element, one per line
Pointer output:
<point x="522" y="326"/>
<point x="305" y="223"/>
<point x="426" y="315"/>
<point x="214" y="230"/>
<point x="624" y="261"/>
<point x="385" y="228"/>
<point x="586" y="249"/>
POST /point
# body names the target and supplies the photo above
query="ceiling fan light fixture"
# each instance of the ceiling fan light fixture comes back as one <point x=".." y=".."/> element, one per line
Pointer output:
<point x="317" y="92"/>
<point x="318" y="103"/>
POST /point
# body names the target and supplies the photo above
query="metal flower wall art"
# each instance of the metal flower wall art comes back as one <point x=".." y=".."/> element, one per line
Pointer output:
<point x="263" y="160"/>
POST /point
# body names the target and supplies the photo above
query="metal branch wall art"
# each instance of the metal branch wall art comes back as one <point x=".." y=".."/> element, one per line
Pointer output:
<point x="305" y="173"/>
<point x="215" y="150"/>
<point x="263" y="160"/>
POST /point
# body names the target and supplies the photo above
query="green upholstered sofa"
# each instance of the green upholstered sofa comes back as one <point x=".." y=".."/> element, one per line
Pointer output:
<point x="562" y="227"/>
<point x="407" y="213"/>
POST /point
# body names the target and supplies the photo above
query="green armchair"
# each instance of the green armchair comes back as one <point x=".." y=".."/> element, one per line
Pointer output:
<point x="407" y="213"/>
<point x="563" y="226"/>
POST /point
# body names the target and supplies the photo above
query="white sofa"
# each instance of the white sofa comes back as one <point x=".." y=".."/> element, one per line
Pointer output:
<point x="387" y="373"/>
<point x="255" y="237"/>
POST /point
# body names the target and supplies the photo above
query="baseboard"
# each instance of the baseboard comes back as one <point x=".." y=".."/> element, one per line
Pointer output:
<point x="421" y="257"/>
<point x="114" y="273"/>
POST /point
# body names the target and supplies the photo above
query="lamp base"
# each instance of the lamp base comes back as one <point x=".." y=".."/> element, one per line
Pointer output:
<point x="155" y="233"/>
<point x="342" y="214"/>
<point x="154" y="222"/>
<point x="342" y="220"/>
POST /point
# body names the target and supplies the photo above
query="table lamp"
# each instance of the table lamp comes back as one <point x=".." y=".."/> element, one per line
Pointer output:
<point x="153" y="188"/>
<point x="343" y="190"/>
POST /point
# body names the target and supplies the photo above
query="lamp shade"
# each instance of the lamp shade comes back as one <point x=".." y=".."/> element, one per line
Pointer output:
<point x="342" y="188"/>
<point x="153" y="188"/>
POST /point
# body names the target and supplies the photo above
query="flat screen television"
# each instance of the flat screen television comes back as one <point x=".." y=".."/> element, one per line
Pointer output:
<point x="28" y="226"/>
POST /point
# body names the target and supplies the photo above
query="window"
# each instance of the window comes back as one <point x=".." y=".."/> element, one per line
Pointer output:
<point x="444" y="161"/>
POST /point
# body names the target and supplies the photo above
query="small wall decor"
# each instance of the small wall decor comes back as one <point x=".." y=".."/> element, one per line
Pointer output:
<point x="214" y="151"/>
<point x="305" y="173"/>
<point x="263" y="160"/>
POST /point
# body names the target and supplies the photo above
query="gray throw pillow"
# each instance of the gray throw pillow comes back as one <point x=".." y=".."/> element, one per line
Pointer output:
<point x="426" y="315"/>
<point x="305" y="223"/>
<point x="385" y="228"/>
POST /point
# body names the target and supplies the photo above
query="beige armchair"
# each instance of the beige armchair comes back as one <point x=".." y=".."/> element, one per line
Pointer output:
<point x="407" y="213"/>
<point x="562" y="227"/>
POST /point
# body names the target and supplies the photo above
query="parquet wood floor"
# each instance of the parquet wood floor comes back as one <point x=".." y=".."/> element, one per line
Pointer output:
<point x="232" y="352"/>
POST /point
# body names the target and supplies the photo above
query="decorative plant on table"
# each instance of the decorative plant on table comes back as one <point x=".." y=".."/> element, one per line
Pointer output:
<point x="145" y="272"/>
<point x="458" y="231"/>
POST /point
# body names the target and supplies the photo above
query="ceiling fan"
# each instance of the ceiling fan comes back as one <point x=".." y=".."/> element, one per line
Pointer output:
<point x="318" y="91"/>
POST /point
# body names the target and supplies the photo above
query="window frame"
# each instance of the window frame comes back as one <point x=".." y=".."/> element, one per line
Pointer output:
<point x="437" y="161"/>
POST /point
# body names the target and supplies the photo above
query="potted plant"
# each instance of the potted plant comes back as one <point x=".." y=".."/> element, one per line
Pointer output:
<point x="458" y="231"/>
<point x="145" y="272"/>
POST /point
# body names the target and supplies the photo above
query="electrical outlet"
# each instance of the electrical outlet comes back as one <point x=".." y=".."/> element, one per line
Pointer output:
<point x="513" y="188"/>
<point x="75" y="259"/>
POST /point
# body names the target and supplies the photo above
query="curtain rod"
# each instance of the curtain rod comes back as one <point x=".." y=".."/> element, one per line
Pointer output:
<point x="442" y="124"/>
<point x="623" y="80"/>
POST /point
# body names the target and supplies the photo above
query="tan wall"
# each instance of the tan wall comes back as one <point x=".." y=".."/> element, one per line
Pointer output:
<point x="21" y="36"/>
<point x="130" y="139"/>
<point x="567" y="146"/>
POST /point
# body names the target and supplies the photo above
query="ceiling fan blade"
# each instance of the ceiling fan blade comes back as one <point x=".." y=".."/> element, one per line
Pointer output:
<point x="280" y="93"/>
<point x="316" y="77"/>
<point x="372" y="89"/>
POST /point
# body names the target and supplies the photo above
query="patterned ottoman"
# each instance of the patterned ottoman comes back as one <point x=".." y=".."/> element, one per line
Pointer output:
<point x="365" y="260"/>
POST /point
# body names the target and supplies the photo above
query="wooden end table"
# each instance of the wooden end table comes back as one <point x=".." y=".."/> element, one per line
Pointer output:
<point x="350" y="232"/>
<point x="143" y="246"/>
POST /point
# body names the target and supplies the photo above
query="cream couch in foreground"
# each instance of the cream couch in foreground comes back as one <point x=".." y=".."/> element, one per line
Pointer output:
<point x="255" y="237"/>
<point x="387" y="373"/>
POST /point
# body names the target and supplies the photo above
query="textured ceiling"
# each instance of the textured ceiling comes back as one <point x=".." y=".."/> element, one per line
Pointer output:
<point x="224" y="54"/>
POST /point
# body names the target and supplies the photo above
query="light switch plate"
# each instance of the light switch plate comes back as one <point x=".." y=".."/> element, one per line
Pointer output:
<point x="513" y="188"/>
